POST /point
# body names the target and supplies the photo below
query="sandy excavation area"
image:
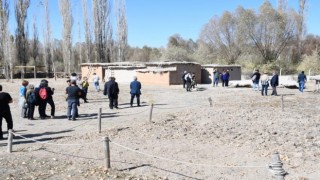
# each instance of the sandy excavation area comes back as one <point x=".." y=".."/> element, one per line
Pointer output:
<point x="187" y="138"/>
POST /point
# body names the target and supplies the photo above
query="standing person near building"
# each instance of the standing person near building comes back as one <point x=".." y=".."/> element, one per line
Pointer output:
<point x="224" y="78"/>
<point x="255" y="80"/>
<point x="264" y="83"/>
<point x="5" y="100"/>
<point x="111" y="89"/>
<point x="215" y="78"/>
<point x="74" y="93"/>
<point x="193" y="81"/>
<point x="31" y="101"/>
<point x="274" y="82"/>
<point x="302" y="79"/>
<point x="227" y="77"/>
<point x="96" y="80"/>
<point x="22" y="98"/>
<point x="183" y="79"/>
<point x="188" y="79"/>
<point x="135" y="91"/>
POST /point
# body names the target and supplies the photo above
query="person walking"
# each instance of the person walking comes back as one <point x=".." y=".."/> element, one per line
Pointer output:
<point x="22" y="98"/>
<point x="274" y="83"/>
<point x="264" y="83"/>
<point x="5" y="100"/>
<point x="302" y="79"/>
<point x="227" y="78"/>
<point x="73" y="92"/>
<point x="31" y="101"/>
<point x="111" y="90"/>
<point x="135" y="91"/>
<point x="96" y="80"/>
<point x="255" y="80"/>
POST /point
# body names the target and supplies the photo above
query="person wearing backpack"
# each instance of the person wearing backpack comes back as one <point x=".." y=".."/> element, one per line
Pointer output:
<point x="42" y="97"/>
<point x="31" y="101"/>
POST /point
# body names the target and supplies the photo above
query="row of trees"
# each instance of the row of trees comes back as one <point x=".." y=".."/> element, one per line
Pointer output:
<point x="61" y="55"/>
<point x="269" y="38"/>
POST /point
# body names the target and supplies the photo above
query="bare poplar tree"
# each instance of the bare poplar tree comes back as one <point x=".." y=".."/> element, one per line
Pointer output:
<point x="301" y="24"/>
<point x="65" y="11"/>
<point x="35" y="41"/>
<point x="48" y="47"/>
<point x="21" y="8"/>
<point x="101" y="15"/>
<point x="87" y="28"/>
<point x="122" y="30"/>
<point x="5" y="43"/>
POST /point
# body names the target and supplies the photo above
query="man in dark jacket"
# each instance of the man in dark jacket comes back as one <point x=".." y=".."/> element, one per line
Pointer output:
<point x="111" y="89"/>
<point x="5" y="112"/>
<point x="41" y="99"/>
<point x="302" y="79"/>
<point x="135" y="91"/>
<point x="74" y="93"/>
<point x="274" y="83"/>
<point x="255" y="80"/>
<point x="183" y="79"/>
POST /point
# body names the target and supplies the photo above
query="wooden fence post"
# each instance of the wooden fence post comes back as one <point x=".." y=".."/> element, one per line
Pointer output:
<point x="282" y="103"/>
<point x="107" y="152"/>
<point x="10" y="138"/>
<point x="210" y="101"/>
<point x="150" y="114"/>
<point x="99" y="118"/>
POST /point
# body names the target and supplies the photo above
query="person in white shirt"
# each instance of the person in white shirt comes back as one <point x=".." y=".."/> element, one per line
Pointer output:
<point x="96" y="81"/>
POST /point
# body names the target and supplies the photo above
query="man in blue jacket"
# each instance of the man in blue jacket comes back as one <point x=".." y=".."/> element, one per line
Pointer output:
<point x="274" y="83"/>
<point x="302" y="79"/>
<point x="135" y="90"/>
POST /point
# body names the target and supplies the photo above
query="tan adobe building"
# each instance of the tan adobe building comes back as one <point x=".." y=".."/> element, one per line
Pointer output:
<point x="167" y="73"/>
<point x="207" y="72"/>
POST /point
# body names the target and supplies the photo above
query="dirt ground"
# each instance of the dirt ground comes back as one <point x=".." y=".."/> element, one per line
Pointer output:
<point x="187" y="138"/>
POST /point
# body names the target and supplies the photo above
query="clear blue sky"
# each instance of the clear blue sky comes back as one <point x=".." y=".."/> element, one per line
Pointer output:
<point x="152" y="22"/>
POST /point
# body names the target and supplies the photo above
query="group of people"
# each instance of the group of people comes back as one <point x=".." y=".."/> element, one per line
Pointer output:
<point x="31" y="96"/>
<point x="265" y="82"/>
<point x="188" y="80"/>
<point x="224" y="76"/>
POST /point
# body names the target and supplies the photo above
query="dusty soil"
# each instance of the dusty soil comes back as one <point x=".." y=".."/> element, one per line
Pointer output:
<point x="187" y="138"/>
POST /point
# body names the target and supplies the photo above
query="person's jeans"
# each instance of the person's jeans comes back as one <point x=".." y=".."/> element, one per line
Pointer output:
<point x="216" y="81"/>
<point x="72" y="108"/>
<point x="256" y="85"/>
<point x="264" y="90"/>
<point x="301" y="86"/>
<point x="274" y="91"/>
<point x="96" y="85"/>
<point x="31" y="107"/>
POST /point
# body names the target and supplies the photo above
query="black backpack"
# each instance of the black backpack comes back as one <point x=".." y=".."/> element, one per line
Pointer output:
<point x="32" y="98"/>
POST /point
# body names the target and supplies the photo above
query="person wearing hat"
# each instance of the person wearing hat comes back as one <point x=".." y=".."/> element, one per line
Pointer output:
<point x="264" y="83"/>
<point x="74" y="93"/>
